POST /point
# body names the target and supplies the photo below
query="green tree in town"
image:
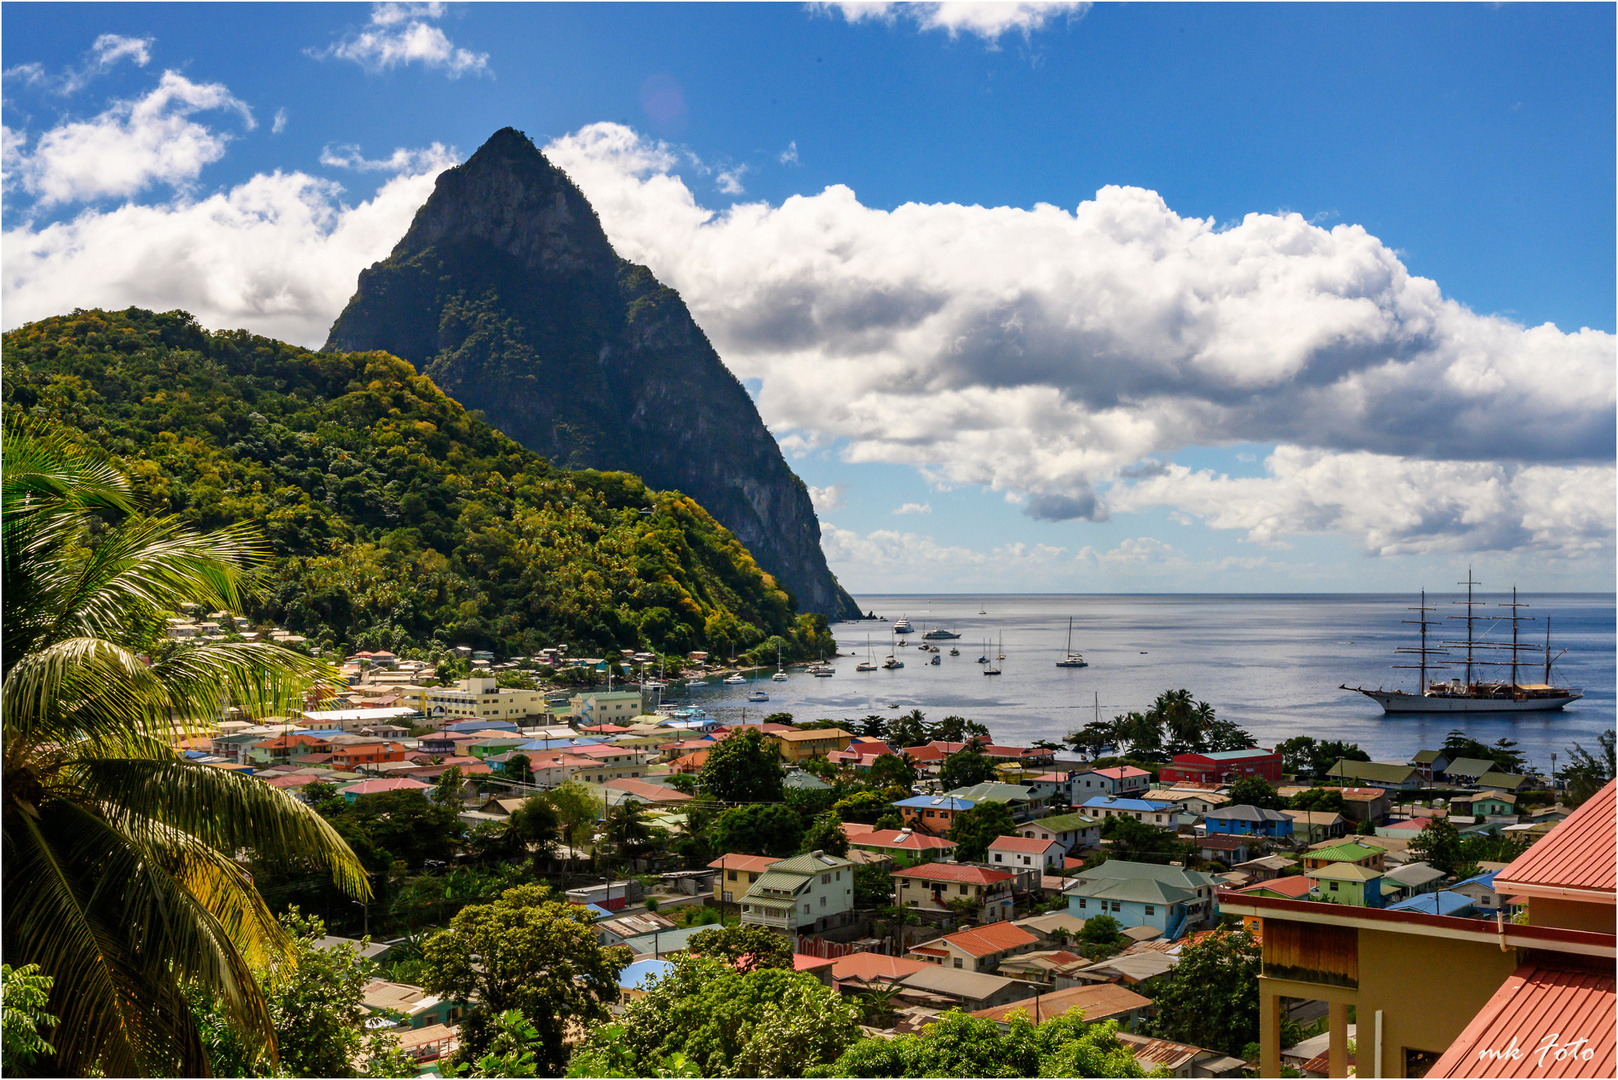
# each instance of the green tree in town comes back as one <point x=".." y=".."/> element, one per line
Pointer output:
<point x="907" y="730"/>
<point x="23" y="995"/>
<point x="825" y="834"/>
<point x="744" y="768"/>
<point x="577" y="812"/>
<point x="1255" y="791"/>
<point x="449" y="788"/>
<point x="966" y="767"/>
<point x="873" y="886"/>
<point x="1101" y="937"/>
<point x="510" y="1051"/>
<point x="1587" y="773"/>
<point x="961" y="1045"/>
<point x="747" y="948"/>
<point x="975" y="829"/>
<point x="1094" y="737"/>
<point x="530" y="951"/>
<point x="627" y="830"/>
<point x="316" y="999"/>
<point x="1135" y="840"/>
<point x="758" y="830"/>
<point x="1222" y="735"/>
<point x="1322" y="800"/>
<point x="1439" y="845"/>
<point x="1211" y="997"/>
<point x="536" y="825"/>
<point x="121" y="886"/>
<point x="517" y="768"/>
<point x="957" y="729"/>
<point x="892" y="770"/>
<point x="864" y="806"/>
<point x="768" y="1022"/>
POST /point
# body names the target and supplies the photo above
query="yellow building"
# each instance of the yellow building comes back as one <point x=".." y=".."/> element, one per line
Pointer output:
<point x="815" y="742"/>
<point x="1442" y="996"/>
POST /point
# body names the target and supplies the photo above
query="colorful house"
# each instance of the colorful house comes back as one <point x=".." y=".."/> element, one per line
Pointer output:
<point x="1026" y="853"/>
<point x="932" y="813"/>
<point x="1163" y="815"/>
<point x="980" y="948"/>
<point x="1119" y="780"/>
<point x="1223" y="767"/>
<point x="932" y="886"/>
<point x="1347" y="883"/>
<point x="1170" y="899"/>
<point x="1247" y="821"/>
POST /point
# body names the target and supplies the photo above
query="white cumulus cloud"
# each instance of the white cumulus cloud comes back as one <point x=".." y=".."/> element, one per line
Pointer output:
<point x="914" y="508"/>
<point x="1049" y="352"/>
<point x="434" y="159"/>
<point x="400" y="34"/>
<point x="987" y="19"/>
<point x="824" y="499"/>
<point x="278" y="254"/>
<point x="131" y="146"/>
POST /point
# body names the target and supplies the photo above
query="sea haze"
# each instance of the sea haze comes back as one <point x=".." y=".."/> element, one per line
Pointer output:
<point x="1272" y="663"/>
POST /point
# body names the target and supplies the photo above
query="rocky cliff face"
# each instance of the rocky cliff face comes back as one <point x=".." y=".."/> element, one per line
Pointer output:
<point x="507" y="293"/>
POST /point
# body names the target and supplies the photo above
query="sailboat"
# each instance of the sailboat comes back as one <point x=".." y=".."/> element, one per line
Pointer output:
<point x="984" y="659"/>
<point x="780" y="672"/>
<point x="954" y="651"/>
<point x="891" y="663"/>
<point x="1073" y="658"/>
<point x="736" y="679"/>
<point x="1471" y="694"/>
<point x="867" y="664"/>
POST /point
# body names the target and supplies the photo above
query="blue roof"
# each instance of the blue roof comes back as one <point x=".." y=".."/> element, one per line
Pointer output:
<point x="1486" y="880"/>
<point x="1236" y="755"/>
<point x="1444" y="902"/>
<point x="481" y="725"/>
<point x="937" y="802"/>
<point x="1145" y="805"/>
<point x="598" y="911"/>
<point x="637" y="975"/>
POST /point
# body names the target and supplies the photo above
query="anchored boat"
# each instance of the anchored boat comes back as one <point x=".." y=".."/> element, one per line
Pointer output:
<point x="1470" y="693"/>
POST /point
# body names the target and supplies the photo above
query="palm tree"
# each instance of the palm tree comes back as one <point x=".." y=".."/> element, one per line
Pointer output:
<point x="877" y="1001"/>
<point x="627" y="829"/>
<point x="122" y="880"/>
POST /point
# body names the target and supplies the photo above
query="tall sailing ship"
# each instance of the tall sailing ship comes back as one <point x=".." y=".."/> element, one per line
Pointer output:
<point x="1474" y="693"/>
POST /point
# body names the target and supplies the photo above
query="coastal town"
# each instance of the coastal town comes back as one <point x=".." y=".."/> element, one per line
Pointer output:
<point x="1389" y="911"/>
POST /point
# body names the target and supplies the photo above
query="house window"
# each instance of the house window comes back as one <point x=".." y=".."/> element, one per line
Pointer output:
<point x="1151" y="909"/>
<point x="822" y="901"/>
<point x="957" y="961"/>
<point x="963" y="890"/>
<point x="1083" y="903"/>
<point x="825" y="879"/>
<point x="997" y="857"/>
<point x="1117" y="907"/>
<point x="1334" y="886"/>
<point x="806" y="909"/>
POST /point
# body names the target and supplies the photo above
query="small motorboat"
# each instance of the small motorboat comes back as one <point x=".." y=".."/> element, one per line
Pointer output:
<point x="758" y="695"/>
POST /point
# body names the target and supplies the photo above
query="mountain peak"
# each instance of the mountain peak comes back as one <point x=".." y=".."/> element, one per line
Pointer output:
<point x="511" y="196"/>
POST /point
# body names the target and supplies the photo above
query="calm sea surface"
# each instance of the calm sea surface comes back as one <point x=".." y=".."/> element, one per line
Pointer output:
<point x="1271" y="663"/>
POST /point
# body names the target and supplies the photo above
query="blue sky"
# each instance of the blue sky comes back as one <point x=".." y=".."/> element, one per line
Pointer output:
<point x="1173" y="385"/>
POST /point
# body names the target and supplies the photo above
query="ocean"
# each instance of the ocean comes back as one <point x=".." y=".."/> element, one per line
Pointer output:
<point x="1271" y="663"/>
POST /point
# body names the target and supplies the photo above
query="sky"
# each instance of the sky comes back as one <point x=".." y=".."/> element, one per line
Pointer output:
<point x="1036" y="298"/>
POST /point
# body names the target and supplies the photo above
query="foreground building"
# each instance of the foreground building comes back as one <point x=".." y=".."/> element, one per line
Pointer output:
<point x="1443" y="996"/>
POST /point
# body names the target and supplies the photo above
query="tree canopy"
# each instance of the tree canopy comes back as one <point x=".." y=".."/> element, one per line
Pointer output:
<point x="975" y="829"/>
<point x="529" y="951"/>
<point x="961" y="1045"/>
<point x="766" y="1022"/>
<point x="744" y="768"/>
<point x="1211" y="997"/>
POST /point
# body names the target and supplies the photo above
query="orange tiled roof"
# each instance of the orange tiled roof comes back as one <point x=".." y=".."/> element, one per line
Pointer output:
<point x="1021" y="843"/>
<point x="990" y="939"/>
<point x="867" y="967"/>
<point x="1533" y="1003"/>
<point x="1580" y="854"/>
<point x="753" y="863"/>
<point x="977" y="875"/>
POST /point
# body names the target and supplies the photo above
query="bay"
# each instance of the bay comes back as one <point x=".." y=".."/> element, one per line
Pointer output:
<point x="1272" y="663"/>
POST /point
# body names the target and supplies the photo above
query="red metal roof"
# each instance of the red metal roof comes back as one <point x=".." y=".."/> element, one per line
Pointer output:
<point x="1022" y="843"/>
<point x="755" y="863"/>
<point x="866" y="967"/>
<point x="1579" y="853"/>
<point x="904" y="839"/>
<point x="1552" y="1022"/>
<point x="977" y="875"/>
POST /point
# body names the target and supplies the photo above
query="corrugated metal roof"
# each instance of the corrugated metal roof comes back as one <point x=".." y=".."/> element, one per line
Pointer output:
<point x="936" y="871"/>
<point x="989" y="939"/>
<point x="1098" y="1002"/>
<point x="1579" y="1008"/>
<point x="1579" y="853"/>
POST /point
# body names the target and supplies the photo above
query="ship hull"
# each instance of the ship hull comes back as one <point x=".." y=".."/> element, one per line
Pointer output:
<point x="1393" y="701"/>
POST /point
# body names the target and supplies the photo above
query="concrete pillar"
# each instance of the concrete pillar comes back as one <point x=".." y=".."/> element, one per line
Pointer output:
<point x="1269" y="1030"/>
<point x="1337" y="1046"/>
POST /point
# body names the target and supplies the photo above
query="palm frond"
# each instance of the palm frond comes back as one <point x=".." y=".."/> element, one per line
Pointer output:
<point x="224" y="810"/>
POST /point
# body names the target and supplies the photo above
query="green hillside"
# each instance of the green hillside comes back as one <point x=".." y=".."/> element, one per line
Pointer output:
<point x="397" y="519"/>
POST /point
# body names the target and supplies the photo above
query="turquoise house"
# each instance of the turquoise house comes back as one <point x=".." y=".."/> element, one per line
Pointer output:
<point x="1169" y="899"/>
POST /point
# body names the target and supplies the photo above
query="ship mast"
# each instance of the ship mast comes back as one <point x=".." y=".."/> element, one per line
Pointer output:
<point x="1423" y="652"/>
<point x="1515" y="619"/>
<point x="1470" y="620"/>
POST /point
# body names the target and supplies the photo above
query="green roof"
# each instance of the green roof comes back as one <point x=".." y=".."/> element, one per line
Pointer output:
<point x="992" y="792"/>
<point x="770" y="881"/>
<point x="1349" y="853"/>
<point x="1135" y="890"/>
<point x="1506" y="781"/>
<point x="1064" y="822"/>
<point x="1427" y="757"/>
<point x="1469" y="766"/>
<point x="1343" y="872"/>
<point x="805" y="865"/>
<point x="1382" y="771"/>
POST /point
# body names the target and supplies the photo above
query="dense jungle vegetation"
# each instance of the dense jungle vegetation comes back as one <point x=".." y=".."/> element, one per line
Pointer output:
<point x="396" y="519"/>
